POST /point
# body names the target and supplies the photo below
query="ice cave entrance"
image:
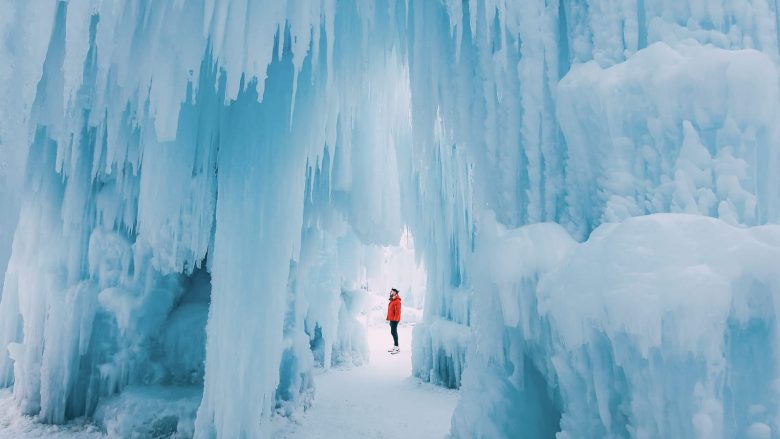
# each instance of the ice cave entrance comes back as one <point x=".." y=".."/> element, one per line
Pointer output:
<point x="382" y="268"/>
<point x="397" y="267"/>
<point x="380" y="395"/>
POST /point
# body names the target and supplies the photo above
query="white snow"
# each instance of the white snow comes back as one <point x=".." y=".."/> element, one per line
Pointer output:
<point x="14" y="425"/>
<point x="378" y="400"/>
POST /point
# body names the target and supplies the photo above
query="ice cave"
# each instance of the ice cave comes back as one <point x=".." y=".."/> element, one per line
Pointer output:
<point x="203" y="204"/>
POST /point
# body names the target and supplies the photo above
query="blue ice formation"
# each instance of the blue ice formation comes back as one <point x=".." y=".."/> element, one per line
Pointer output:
<point x="192" y="190"/>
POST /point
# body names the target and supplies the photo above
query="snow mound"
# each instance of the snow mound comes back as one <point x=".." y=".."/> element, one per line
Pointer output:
<point x="150" y="412"/>
<point x="658" y="326"/>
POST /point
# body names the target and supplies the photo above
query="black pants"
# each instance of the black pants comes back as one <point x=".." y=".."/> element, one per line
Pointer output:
<point x="394" y="332"/>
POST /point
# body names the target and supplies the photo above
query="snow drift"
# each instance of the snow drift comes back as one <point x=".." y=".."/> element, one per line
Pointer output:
<point x="658" y="326"/>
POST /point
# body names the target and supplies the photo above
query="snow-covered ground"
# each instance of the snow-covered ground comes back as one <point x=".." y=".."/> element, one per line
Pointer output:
<point x="14" y="425"/>
<point x="378" y="400"/>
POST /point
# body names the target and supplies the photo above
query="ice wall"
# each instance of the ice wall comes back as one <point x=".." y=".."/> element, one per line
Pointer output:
<point x="166" y="143"/>
<point x="658" y="326"/>
<point x="614" y="110"/>
<point x="692" y="129"/>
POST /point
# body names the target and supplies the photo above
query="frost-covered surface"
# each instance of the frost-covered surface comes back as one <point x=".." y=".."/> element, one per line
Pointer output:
<point x="691" y="129"/>
<point x="141" y="174"/>
<point x="612" y="110"/>
<point x="690" y="351"/>
<point x="659" y="326"/>
<point x="203" y="187"/>
<point x="150" y="412"/>
<point x="15" y="425"/>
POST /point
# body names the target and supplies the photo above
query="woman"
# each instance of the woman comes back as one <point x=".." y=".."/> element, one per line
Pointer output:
<point x="394" y="316"/>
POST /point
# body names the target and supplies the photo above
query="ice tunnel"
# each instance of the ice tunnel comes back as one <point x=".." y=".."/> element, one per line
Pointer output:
<point x="194" y="193"/>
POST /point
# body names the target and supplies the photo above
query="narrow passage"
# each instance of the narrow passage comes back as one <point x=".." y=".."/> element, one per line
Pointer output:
<point x="378" y="400"/>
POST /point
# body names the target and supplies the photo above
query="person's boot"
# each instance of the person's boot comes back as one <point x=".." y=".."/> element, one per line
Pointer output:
<point x="395" y="350"/>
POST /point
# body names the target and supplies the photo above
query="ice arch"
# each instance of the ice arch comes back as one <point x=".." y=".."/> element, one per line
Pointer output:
<point x="266" y="143"/>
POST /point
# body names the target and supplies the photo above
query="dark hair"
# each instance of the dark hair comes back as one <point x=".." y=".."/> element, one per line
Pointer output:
<point x="393" y="289"/>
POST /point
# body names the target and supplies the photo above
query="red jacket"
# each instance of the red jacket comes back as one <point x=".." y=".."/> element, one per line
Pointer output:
<point x="394" y="309"/>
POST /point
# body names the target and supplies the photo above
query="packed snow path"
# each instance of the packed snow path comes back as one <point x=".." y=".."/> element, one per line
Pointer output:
<point x="378" y="400"/>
